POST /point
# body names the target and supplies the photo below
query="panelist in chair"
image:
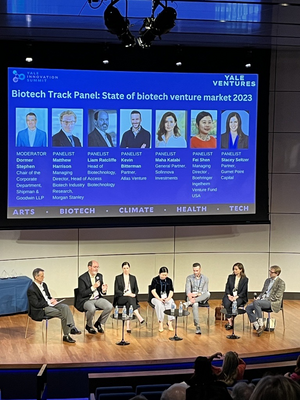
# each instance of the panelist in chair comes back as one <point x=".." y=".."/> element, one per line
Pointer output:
<point x="126" y="291"/>
<point x="269" y="298"/>
<point x="162" y="291"/>
<point x="236" y="289"/>
<point x="43" y="305"/>
<point x="91" y="290"/>
<point x="196" y="289"/>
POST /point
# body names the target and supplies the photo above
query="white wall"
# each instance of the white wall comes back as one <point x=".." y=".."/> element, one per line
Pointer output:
<point x="64" y="253"/>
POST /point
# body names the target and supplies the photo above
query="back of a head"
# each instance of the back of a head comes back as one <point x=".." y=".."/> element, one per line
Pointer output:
<point x="175" y="392"/>
<point x="242" y="391"/>
<point x="203" y="372"/>
<point x="276" y="387"/>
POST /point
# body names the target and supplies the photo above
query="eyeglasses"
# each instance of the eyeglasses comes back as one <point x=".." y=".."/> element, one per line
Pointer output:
<point x="272" y="272"/>
<point x="68" y="122"/>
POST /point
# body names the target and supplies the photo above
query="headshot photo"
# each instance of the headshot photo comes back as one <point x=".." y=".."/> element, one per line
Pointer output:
<point x="102" y="128"/>
<point x="138" y="135"/>
<point x="67" y="127"/>
<point x="28" y="132"/>
<point x="203" y="129"/>
<point x="170" y="129"/>
<point x="235" y="125"/>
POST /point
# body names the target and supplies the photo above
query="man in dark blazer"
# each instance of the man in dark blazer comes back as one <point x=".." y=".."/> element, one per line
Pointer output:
<point x="136" y="136"/>
<point x="65" y="138"/>
<point x="269" y="298"/>
<point x="99" y="137"/>
<point x="90" y="297"/>
<point x="41" y="304"/>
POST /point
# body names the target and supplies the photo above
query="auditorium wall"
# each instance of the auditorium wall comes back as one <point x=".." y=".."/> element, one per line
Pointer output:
<point x="64" y="253"/>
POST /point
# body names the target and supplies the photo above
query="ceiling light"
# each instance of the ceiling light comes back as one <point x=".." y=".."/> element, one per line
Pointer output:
<point x="118" y="25"/>
<point x="153" y="27"/>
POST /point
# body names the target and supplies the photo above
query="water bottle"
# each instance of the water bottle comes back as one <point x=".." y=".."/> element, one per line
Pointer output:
<point x="234" y="307"/>
<point x="180" y="308"/>
<point x="116" y="313"/>
<point x="124" y="313"/>
<point x="173" y="306"/>
<point x="130" y="312"/>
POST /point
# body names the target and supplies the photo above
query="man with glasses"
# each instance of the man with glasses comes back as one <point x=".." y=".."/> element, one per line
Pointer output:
<point x="65" y="138"/>
<point x="91" y="290"/>
<point x="269" y="298"/>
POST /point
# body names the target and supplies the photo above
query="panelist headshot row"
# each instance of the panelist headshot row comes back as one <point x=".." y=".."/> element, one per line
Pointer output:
<point x="171" y="128"/>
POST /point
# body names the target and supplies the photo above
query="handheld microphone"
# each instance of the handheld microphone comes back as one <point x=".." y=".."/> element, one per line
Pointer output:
<point x="255" y="295"/>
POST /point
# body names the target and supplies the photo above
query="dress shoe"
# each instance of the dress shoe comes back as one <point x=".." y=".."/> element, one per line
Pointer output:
<point x="229" y="327"/>
<point x="68" y="339"/>
<point x="99" y="327"/>
<point x="128" y="330"/>
<point x="90" y="330"/>
<point x="75" y="331"/>
<point x="142" y="321"/>
<point x="260" y="330"/>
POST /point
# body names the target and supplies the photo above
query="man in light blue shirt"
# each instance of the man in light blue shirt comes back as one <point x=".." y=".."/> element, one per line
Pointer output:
<point x="31" y="136"/>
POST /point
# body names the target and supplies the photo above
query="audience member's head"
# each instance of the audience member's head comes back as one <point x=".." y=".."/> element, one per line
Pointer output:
<point x="297" y="369"/>
<point x="138" y="397"/>
<point x="175" y="392"/>
<point x="276" y="387"/>
<point x="203" y="372"/>
<point x="229" y="368"/>
<point x="242" y="391"/>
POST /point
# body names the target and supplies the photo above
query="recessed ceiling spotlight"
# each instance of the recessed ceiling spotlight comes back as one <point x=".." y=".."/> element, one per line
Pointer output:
<point x="105" y="62"/>
<point x="248" y="65"/>
<point x="179" y="63"/>
<point x="28" y="59"/>
<point x="284" y="4"/>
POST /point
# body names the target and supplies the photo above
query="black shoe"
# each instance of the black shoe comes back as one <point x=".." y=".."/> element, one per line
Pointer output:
<point x="68" y="339"/>
<point x="229" y="327"/>
<point x="75" y="331"/>
<point x="142" y="322"/>
<point x="128" y="330"/>
<point x="90" y="330"/>
<point x="99" y="327"/>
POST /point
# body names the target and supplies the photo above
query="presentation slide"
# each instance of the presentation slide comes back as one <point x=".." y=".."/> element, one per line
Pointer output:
<point x="129" y="144"/>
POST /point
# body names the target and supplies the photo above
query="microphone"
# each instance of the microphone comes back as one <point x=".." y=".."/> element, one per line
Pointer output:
<point x="255" y="295"/>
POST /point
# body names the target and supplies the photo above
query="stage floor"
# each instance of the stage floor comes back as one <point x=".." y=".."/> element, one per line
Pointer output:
<point x="146" y="346"/>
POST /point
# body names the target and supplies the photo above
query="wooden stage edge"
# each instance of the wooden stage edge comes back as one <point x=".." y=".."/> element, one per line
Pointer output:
<point x="147" y="347"/>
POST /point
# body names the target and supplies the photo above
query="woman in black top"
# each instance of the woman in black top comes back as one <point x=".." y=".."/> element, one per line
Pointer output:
<point x="236" y="289"/>
<point x="162" y="291"/>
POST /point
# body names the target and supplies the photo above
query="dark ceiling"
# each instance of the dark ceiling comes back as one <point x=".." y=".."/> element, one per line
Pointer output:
<point x="256" y="24"/>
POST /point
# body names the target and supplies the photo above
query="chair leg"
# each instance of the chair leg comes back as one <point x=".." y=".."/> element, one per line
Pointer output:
<point x="27" y="324"/>
<point x="283" y="320"/>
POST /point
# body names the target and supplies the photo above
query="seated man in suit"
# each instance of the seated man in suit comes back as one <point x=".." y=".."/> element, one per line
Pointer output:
<point x="31" y="136"/>
<point x="65" y="137"/>
<point x="99" y="137"/>
<point x="42" y="304"/>
<point x="90" y="291"/>
<point x="269" y="298"/>
<point x="196" y="289"/>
